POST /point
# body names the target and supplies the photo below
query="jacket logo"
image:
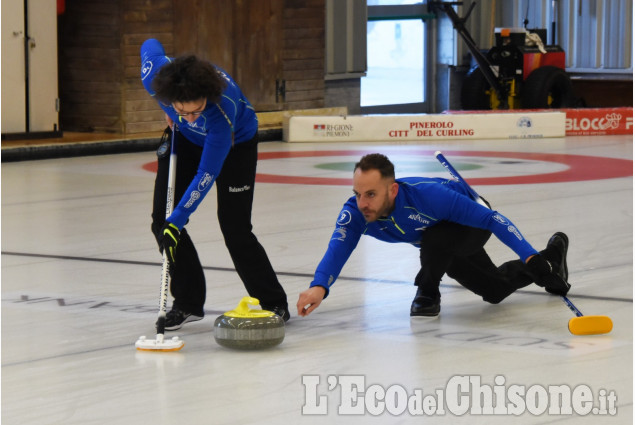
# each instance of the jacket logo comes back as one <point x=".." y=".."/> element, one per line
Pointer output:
<point x="193" y="198"/>
<point x="502" y="220"/>
<point x="204" y="182"/>
<point x="344" y="218"/>
<point x="146" y="69"/>
<point x="515" y="231"/>
<point x="339" y="234"/>
<point x="417" y="217"/>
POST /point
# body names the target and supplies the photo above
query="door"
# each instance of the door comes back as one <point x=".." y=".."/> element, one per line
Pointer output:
<point x="31" y="108"/>
<point x="43" y="80"/>
<point x="13" y="82"/>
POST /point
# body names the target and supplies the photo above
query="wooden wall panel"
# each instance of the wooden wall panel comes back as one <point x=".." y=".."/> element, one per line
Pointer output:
<point x="244" y="37"/>
<point x="143" y="19"/>
<point x="258" y="44"/>
<point x="90" y="66"/>
<point x="185" y="17"/>
<point x="216" y="27"/>
<point x="303" y="53"/>
<point x="256" y="41"/>
<point x="205" y="29"/>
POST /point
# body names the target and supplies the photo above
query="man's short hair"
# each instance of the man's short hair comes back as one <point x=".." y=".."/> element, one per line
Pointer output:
<point x="379" y="162"/>
<point x="188" y="79"/>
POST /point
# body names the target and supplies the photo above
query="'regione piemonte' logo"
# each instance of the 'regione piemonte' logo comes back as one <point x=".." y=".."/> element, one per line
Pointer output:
<point x="332" y="130"/>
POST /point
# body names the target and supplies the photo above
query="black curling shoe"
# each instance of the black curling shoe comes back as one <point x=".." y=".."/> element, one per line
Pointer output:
<point x="175" y="319"/>
<point x="423" y="306"/>
<point x="280" y="311"/>
<point x="556" y="254"/>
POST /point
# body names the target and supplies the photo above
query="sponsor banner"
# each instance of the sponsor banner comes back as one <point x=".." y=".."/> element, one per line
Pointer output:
<point x="598" y="121"/>
<point x="365" y="128"/>
<point x="583" y="122"/>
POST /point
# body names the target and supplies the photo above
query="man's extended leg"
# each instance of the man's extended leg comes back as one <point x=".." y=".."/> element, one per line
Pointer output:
<point x="478" y="273"/>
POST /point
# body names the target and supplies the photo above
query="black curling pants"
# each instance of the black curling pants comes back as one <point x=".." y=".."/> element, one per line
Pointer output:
<point x="235" y="194"/>
<point x="458" y="251"/>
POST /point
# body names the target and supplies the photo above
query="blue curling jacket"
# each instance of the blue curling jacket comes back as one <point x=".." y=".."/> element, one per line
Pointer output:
<point x="421" y="202"/>
<point x="217" y="129"/>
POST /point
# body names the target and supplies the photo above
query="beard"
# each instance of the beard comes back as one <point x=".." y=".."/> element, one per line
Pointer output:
<point x="371" y="215"/>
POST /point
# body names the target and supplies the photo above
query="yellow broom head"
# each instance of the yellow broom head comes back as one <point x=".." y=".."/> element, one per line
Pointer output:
<point x="590" y="325"/>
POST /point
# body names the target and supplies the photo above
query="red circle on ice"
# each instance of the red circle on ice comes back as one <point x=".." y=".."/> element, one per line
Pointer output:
<point x="579" y="167"/>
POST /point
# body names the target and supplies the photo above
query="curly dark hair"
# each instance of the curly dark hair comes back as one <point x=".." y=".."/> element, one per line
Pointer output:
<point x="379" y="162"/>
<point x="187" y="79"/>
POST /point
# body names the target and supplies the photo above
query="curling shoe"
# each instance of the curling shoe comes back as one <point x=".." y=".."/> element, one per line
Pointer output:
<point x="176" y="318"/>
<point x="423" y="306"/>
<point x="556" y="254"/>
<point x="280" y="311"/>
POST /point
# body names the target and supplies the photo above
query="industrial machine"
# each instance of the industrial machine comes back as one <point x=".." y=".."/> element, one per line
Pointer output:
<point x="520" y="71"/>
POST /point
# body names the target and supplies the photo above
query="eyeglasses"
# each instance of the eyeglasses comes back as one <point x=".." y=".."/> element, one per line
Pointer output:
<point x="187" y="114"/>
<point x="195" y="113"/>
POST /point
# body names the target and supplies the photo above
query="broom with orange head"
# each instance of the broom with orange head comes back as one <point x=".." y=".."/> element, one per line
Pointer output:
<point x="579" y="325"/>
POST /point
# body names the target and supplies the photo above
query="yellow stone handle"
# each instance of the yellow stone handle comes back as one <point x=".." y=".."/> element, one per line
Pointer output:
<point x="243" y="305"/>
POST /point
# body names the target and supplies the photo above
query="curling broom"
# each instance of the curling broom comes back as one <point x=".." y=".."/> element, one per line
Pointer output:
<point x="579" y="325"/>
<point x="160" y="343"/>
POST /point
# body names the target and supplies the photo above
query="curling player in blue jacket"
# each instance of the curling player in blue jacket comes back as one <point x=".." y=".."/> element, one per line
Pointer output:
<point x="449" y="228"/>
<point x="216" y="142"/>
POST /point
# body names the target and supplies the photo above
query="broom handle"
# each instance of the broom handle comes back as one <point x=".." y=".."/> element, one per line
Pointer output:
<point x="169" y="206"/>
<point x="474" y="195"/>
<point x="573" y="308"/>
<point x="443" y="160"/>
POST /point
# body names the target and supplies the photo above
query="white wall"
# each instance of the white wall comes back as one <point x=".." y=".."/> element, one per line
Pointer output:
<point x="43" y="79"/>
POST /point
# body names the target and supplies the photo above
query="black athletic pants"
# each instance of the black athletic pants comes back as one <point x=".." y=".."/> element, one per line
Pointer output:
<point x="235" y="194"/>
<point x="458" y="251"/>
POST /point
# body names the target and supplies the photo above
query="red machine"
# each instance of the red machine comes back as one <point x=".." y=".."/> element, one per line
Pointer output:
<point x="520" y="71"/>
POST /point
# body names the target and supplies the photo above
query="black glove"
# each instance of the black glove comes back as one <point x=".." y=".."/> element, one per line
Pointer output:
<point x="545" y="276"/>
<point x="169" y="240"/>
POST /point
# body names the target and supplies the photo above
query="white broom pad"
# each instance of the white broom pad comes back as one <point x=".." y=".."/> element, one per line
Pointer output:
<point x="172" y="344"/>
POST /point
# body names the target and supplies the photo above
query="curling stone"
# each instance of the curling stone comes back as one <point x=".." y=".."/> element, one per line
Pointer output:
<point x="249" y="329"/>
